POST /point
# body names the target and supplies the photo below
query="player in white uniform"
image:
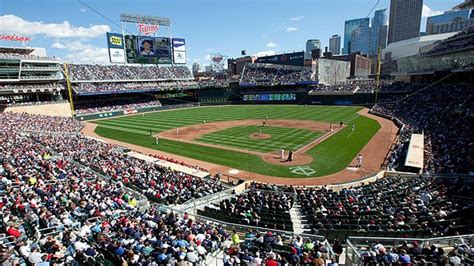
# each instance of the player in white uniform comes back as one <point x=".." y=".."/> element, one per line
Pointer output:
<point x="353" y="127"/>
<point x="359" y="161"/>
<point x="282" y="153"/>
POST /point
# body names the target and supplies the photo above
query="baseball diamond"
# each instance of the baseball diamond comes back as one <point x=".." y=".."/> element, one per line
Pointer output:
<point x="329" y="156"/>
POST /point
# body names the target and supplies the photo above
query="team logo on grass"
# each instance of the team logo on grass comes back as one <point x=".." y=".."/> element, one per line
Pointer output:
<point x="302" y="170"/>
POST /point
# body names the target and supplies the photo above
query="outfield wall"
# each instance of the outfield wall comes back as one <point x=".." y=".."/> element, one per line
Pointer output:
<point x="133" y="111"/>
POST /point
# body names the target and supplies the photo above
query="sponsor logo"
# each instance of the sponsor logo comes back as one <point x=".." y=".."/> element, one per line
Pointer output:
<point x="115" y="40"/>
<point x="302" y="170"/>
<point x="147" y="29"/>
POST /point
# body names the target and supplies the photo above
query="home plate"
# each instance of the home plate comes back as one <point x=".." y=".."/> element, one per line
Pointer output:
<point x="352" y="168"/>
<point x="233" y="171"/>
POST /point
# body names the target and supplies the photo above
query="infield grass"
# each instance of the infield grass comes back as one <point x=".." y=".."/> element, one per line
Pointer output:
<point x="330" y="156"/>
<point x="281" y="137"/>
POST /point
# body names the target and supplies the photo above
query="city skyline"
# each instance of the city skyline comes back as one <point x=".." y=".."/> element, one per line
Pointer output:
<point x="282" y="28"/>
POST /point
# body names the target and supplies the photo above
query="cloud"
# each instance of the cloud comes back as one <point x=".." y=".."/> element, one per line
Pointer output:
<point x="271" y="45"/>
<point x="298" y="18"/>
<point x="89" y="55"/>
<point x="83" y="9"/>
<point x="291" y="29"/>
<point x="16" y="25"/>
<point x="210" y="49"/>
<point x="264" y="53"/>
<point x="58" y="45"/>
<point x="428" y="12"/>
<point x="82" y="52"/>
<point x="207" y="57"/>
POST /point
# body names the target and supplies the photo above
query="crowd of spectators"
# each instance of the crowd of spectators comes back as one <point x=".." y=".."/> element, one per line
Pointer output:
<point x="268" y="248"/>
<point x="444" y="113"/>
<point x="462" y="40"/>
<point x="45" y="185"/>
<point x="397" y="206"/>
<point x="270" y="209"/>
<point x="114" y="105"/>
<point x="367" y="86"/>
<point x="90" y="72"/>
<point x="117" y="87"/>
<point x="416" y="253"/>
<point x="266" y="75"/>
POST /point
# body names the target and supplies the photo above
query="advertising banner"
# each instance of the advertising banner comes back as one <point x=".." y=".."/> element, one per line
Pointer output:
<point x="115" y="44"/>
<point x="292" y="59"/>
<point x="179" y="50"/>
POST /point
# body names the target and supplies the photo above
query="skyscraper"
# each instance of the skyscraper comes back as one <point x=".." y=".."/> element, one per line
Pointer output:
<point x="404" y="20"/>
<point x="311" y="45"/>
<point x="196" y="67"/>
<point x="349" y="27"/>
<point x="450" y="21"/>
<point x="378" y="22"/>
<point x="361" y="40"/>
<point x="335" y="44"/>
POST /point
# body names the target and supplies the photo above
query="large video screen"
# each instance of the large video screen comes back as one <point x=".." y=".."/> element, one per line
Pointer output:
<point x="292" y="59"/>
<point x="147" y="50"/>
<point x="270" y="97"/>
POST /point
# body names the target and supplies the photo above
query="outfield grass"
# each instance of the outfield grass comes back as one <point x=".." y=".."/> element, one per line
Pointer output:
<point x="330" y="156"/>
<point x="281" y="137"/>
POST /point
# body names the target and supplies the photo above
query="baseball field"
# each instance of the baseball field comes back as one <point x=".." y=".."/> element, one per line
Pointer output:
<point x="235" y="137"/>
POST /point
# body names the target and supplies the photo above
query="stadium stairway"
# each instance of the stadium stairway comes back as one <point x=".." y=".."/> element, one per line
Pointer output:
<point x="295" y="214"/>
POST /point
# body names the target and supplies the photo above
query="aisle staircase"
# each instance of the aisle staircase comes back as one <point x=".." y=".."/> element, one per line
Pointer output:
<point x="295" y="214"/>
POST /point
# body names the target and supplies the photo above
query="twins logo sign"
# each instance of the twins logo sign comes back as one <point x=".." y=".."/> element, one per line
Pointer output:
<point x="302" y="170"/>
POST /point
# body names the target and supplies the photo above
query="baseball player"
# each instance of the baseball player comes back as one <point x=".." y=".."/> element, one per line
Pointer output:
<point x="259" y="132"/>
<point x="359" y="161"/>
<point x="353" y="127"/>
<point x="156" y="140"/>
<point x="340" y="124"/>
<point x="282" y="154"/>
<point x="330" y="127"/>
<point x="151" y="133"/>
<point x="266" y="117"/>
<point x="203" y="122"/>
<point x="177" y="131"/>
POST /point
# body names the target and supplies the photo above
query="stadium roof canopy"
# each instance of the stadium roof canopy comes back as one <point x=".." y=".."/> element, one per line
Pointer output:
<point x="467" y="4"/>
<point x="412" y="46"/>
<point x="16" y="50"/>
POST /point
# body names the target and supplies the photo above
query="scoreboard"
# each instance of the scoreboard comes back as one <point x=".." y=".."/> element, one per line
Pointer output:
<point x="270" y="97"/>
<point x="147" y="50"/>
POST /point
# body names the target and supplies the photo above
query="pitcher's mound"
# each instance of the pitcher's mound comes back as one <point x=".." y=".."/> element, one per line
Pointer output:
<point x="262" y="136"/>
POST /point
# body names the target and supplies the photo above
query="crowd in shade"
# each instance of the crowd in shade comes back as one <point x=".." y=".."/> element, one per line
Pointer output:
<point x="444" y="114"/>
<point x="45" y="186"/>
<point x="118" y="87"/>
<point x="115" y="105"/>
<point x="213" y="83"/>
<point x="462" y="40"/>
<point x="397" y="206"/>
<point x="33" y="87"/>
<point x="266" y="75"/>
<point x="416" y="253"/>
<point x="264" y="208"/>
<point x="366" y="86"/>
<point x="78" y="72"/>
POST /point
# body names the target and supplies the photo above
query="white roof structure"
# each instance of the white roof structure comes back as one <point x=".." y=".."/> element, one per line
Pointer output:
<point x="412" y="46"/>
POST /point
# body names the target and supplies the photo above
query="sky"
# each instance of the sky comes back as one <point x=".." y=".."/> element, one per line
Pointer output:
<point x="73" y="32"/>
